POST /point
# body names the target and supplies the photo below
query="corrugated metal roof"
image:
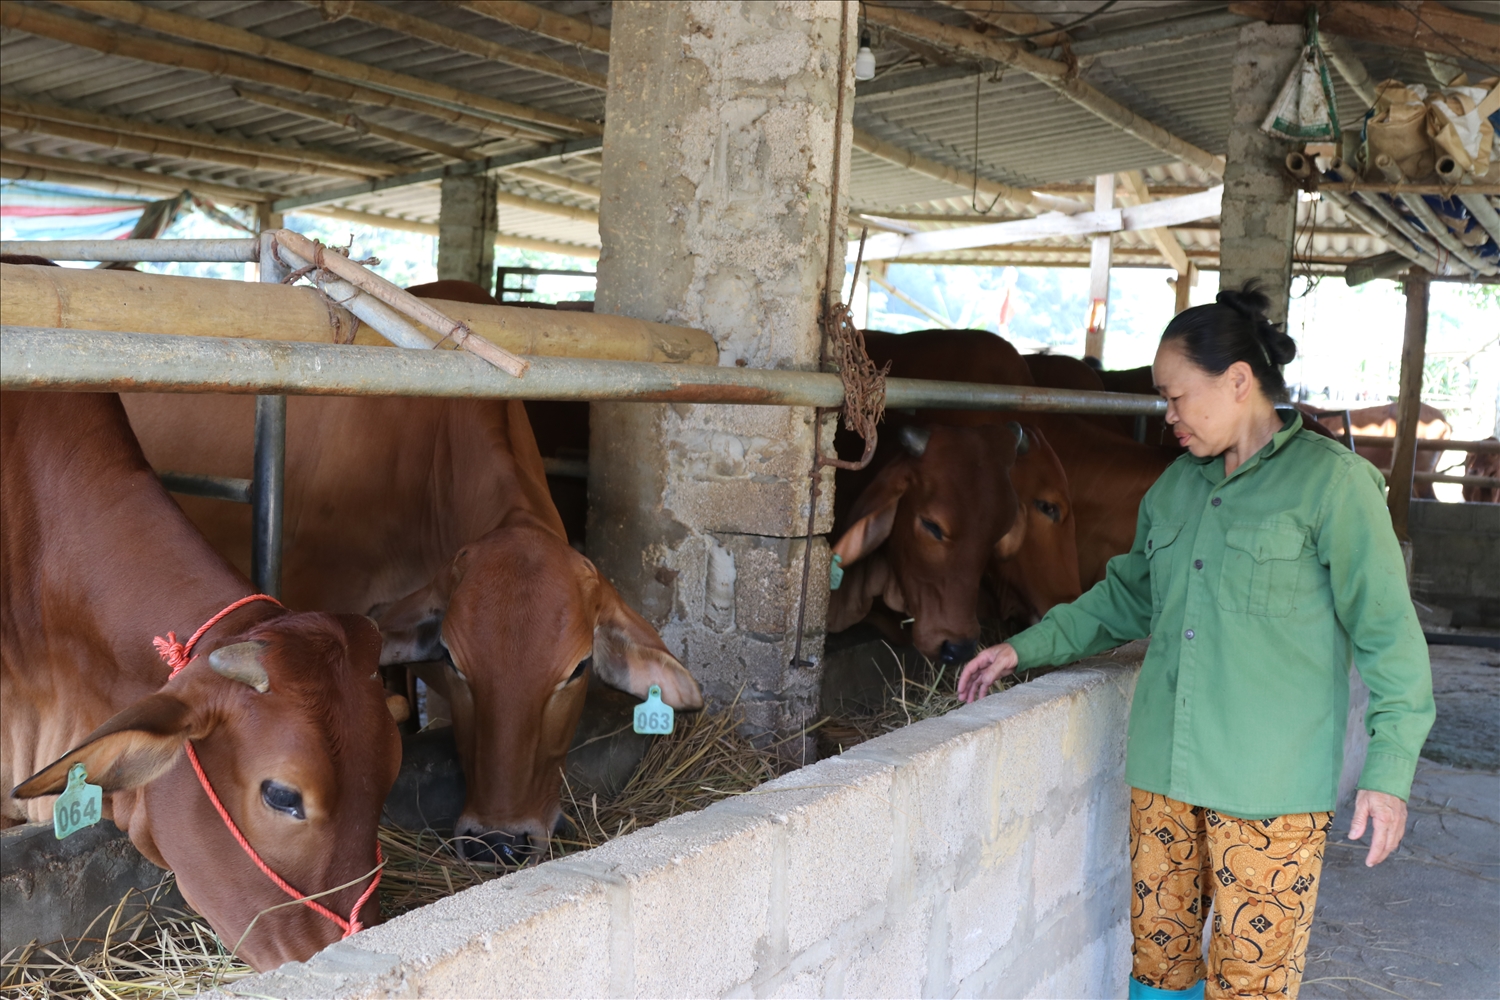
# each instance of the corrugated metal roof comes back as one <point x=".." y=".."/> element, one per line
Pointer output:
<point x="1168" y="60"/>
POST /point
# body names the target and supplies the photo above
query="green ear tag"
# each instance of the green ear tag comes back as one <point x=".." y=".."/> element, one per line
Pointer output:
<point x="652" y="716"/>
<point x="836" y="572"/>
<point x="77" y="807"/>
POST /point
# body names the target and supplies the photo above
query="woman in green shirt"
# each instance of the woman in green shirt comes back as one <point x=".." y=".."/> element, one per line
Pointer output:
<point x="1263" y="561"/>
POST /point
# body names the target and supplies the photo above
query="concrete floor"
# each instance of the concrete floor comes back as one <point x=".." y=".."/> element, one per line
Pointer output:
<point x="1426" y="923"/>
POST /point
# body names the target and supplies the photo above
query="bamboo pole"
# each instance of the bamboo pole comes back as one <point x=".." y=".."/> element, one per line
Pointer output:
<point x="1055" y="75"/>
<point x="338" y="163"/>
<point x="128" y="301"/>
<point x="919" y="164"/>
<point x="241" y="251"/>
<point x="395" y="20"/>
<point x="399" y="299"/>
<point x="231" y="39"/>
<point x="100" y="176"/>
<point x="46" y="24"/>
<point x="1429" y="220"/>
<point x="431" y="229"/>
<point x="351" y="121"/>
<point x="1409" y="402"/>
<point x="559" y="181"/>
<point x="540" y="21"/>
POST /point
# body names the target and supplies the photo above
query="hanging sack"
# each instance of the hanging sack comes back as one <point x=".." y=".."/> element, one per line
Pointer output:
<point x="1456" y="128"/>
<point x="1397" y="127"/>
<point x="1305" y="110"/>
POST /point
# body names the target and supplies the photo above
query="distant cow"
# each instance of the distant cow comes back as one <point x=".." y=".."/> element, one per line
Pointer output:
<point x="1380" y="421"/>
<point x="284" y="711"/>
<point x="434" y="516"/>
<point x="1482" y="463"/>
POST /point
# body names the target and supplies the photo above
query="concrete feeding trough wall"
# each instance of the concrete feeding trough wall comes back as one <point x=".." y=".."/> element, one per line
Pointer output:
<point x="980" y="853"/>
<point x="1454" y="562"/>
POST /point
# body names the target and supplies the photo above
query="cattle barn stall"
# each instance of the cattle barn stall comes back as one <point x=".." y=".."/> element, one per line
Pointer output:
<point x="715" y="159"/>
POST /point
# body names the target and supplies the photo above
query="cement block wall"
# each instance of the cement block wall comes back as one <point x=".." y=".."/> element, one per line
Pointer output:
<point x="1456" y="559"/>
<point x="980" y="853"/>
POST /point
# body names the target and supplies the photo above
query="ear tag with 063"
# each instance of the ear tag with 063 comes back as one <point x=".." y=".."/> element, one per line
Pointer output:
<point x="653" y="716"/>
<point x="79" y="806"/>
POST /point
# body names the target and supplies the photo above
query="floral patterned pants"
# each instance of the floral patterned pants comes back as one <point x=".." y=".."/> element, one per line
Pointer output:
<point x="1261" y="876"/>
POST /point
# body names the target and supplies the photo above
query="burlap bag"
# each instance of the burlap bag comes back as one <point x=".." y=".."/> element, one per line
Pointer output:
<point x="1398" y="129"/>
<point x="1456" y="129"/>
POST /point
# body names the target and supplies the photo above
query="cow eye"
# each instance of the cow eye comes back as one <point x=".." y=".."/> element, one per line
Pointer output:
<point x="581" y="669"/>
<point x="282" y="799"/>
<point x="1050" y="511"/>
<point x="932" y="529"/>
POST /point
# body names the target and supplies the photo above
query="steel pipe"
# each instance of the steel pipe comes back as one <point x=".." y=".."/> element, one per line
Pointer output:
<point x="244" y="250"/>
<point x="1431" y="444"/>
<point x="49" y="358"/>
<point x="192" y="484"/>
<point x="266" y="494"/>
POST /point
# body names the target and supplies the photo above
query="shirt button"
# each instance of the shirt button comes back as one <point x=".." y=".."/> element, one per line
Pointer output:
<point x="1197" y="564"/>
<point x="1188" y="634"/>
<point x="1217" y="500"/>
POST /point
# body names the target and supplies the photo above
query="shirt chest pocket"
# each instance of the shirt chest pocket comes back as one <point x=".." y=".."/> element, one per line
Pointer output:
<point x="1160" y="555"/>
<point x="1262" y="566"/>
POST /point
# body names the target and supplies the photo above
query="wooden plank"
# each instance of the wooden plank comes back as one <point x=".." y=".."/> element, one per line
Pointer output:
<point x="1408" y="404"/>
<point x="1163" y="239"/>
<point x="1097" y="320"/>
<point x="540" y="21"/>
<point x="1425" y="26"/>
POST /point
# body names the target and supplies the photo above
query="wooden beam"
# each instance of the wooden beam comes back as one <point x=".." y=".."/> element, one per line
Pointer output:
<point x="919" y="164"/>
<point x="351" y="121"/>
<point x="461" y="41"/>
<point x="1427" y="27"/>
<point x="1010" y="18"/>
<point x="559" y="181"/>
<point x="1099" y="260"/>
<point x="1163" y="239"/>
<point x="337" y="164"/>
<point x="249" y="43"/>
<point x="431" y="229"/>
<point x="1057" y="76"/>
<point x="21" y="165"/>
<point x="540" y="21"/>
<point x="548" y="207"/>
<point x="173" y="150"/>
<point x="46" y="24"/>
<point x="1183" y="287"/>
<point x="1409" y="402"/>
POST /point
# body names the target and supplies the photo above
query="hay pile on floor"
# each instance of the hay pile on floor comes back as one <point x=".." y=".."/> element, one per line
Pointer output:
<point x="704" y="761"/>
<point x="138" y="948"/>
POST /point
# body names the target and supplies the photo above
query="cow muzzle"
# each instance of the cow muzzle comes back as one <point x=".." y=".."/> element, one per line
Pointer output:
<point x="495" y="847"/>
<point x="956" y="653"/>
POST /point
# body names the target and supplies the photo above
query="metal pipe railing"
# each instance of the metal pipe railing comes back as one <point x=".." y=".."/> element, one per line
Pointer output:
<point x="87" y="360"/>
<point x="193" y="484"/>
<point x="1430" y="444"/>
<point x="246" y="250"/>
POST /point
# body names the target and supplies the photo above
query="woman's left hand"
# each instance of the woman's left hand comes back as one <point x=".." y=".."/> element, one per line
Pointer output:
<point x="1387" y="813"/>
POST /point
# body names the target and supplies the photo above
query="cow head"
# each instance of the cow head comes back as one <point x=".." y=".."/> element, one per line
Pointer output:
<point x="290" y="723"/>
<point x="519" y="619"/>
<point x="1038" y="562"/>
<point x="925" y="528"/>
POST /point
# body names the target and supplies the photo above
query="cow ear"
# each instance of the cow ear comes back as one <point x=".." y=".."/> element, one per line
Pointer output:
<point x="630" y="656"/>
<point x="133" y="748"/>
<point x="874" y="513"/>
<point x="411" y="629"/>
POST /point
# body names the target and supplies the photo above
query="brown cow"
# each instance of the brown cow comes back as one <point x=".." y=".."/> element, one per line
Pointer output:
<point x="1482" y="463"/>
<point x="919" y="527"/>
<point x="285" y="711"/>
<point x="434" y="516"/>
<point x="1062" y="371"/>
<point x="1432" y="424"/>
<point x="1107" y="472"/>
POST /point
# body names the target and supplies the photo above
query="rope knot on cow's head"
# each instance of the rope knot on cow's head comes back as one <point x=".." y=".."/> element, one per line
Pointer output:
<point x="172" y="652"/>
<point x="179" y="654"/>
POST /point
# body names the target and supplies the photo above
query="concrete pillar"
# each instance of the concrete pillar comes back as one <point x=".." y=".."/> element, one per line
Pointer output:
<point x="719" y="166"/>
<point x="1259" y="218"/>
<point x="466" y="230"/>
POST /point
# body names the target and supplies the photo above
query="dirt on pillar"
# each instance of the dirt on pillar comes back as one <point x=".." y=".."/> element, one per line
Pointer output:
<point x="1259" y="217"/>
<point x="719" y="154"/>
<point x="466" y="230"/>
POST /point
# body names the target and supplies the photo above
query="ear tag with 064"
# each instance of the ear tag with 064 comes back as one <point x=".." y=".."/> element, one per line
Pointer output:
<point x="653" y="716"/>
<point x="79" y="806"/>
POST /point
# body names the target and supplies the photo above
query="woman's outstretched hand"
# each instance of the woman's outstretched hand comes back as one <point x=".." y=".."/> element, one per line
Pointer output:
<point x="1385" y="813"/>
<point x="980" y="673"/>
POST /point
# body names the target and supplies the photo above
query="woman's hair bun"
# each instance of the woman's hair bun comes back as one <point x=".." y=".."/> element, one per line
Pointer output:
<point x="1236" y="329"/>
<point x="1252" y="303"/>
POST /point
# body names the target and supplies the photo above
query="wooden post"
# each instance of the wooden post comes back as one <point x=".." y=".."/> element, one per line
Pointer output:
<point x="1104" y="200"/>
<point x="1185" y="282"/>
<point x="1409" y="403"/>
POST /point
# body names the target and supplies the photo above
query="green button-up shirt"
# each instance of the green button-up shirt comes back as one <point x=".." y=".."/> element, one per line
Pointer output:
<point x="1256" y="589"/>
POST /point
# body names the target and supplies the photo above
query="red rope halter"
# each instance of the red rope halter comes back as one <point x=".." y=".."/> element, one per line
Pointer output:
<point x="178" y="655"/>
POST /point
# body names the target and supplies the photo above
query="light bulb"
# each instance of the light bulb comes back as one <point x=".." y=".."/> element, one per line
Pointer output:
<point x="864" y="60"/>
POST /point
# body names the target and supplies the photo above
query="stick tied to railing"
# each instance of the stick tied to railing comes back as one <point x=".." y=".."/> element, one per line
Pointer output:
<point x="401" y="300"/>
